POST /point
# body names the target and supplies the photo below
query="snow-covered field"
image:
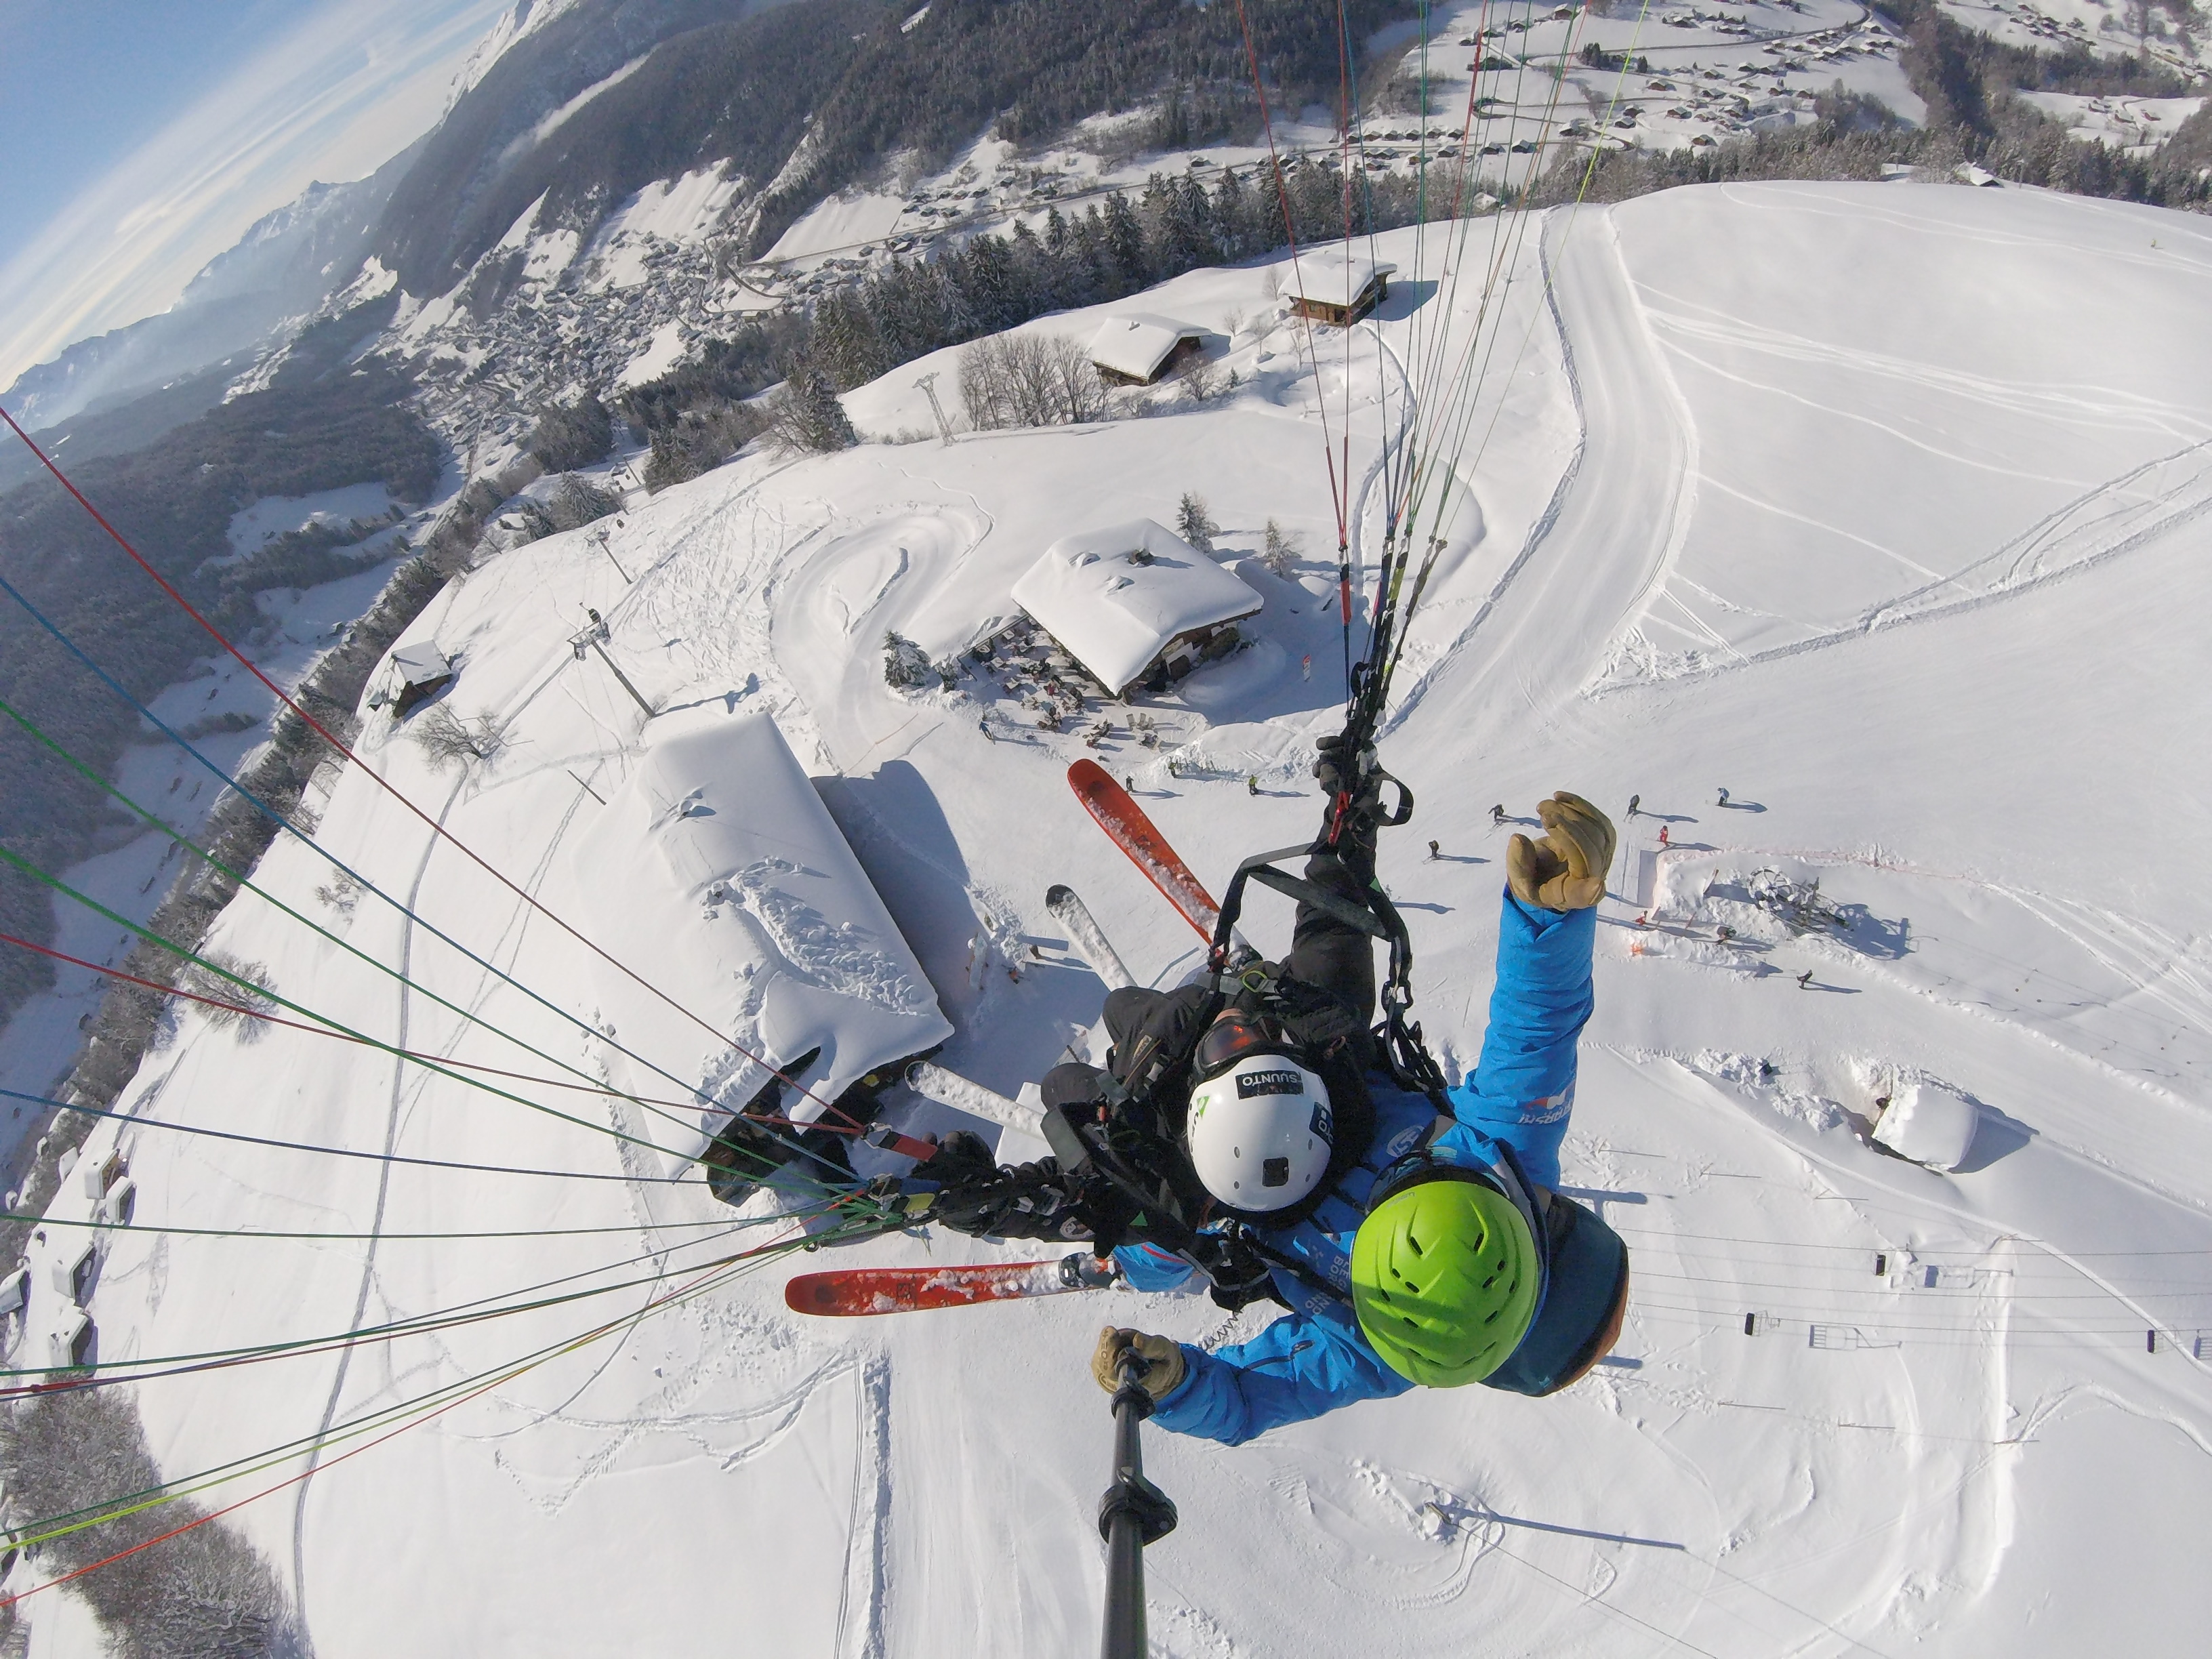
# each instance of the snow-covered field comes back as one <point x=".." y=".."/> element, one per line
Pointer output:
<point x="1881" y="506"/>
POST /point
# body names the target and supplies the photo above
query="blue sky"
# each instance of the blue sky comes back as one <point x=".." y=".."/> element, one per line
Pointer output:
<point x="85" y="82"/>
<point x="138" y="138"/>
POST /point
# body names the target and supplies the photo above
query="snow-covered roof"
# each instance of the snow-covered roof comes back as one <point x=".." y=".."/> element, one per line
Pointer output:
<point x="1327" y="279"/>
<point x="1136" y="343"/>
<point x="1117" y="616"/>
<point x="419" y="663"/>
<point x="718" y="875"/>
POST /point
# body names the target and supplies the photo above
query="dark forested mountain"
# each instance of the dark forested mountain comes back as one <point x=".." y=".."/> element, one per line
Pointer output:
<point x="485" y="163"/>
<point x="722" y="81"/>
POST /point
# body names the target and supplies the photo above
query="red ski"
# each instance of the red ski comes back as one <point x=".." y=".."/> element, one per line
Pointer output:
<point x="850" y="1292"/>
<point x="1125" y="824"/>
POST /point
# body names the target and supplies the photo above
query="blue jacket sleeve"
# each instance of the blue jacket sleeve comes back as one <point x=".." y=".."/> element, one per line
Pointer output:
<point x="1523" y="1088"/>
<point x="1302" y="1365"/>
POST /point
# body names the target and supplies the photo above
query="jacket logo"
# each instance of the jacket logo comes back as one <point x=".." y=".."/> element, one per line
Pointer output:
<point x="1249" y="1083"/>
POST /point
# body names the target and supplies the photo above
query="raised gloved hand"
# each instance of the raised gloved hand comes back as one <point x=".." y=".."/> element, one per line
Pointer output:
<point x="1340" y="768"/>
<point x="1164" y="1362"/>
<point x="1565" y="869"/>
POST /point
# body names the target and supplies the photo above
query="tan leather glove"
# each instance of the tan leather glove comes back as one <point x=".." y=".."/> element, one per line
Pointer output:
<point x="1164" y="1362"/>
<point x="1565" y="869"/>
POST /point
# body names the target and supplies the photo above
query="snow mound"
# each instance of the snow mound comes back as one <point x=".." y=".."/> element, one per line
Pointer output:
<point x="1928" y="1124"/>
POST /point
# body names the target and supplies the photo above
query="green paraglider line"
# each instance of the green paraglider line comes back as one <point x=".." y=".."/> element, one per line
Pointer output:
<point x="342" y="748"/>
<point x="213" y="1359"/>
<point x="244" y="1011"/>
<point x="278" y="819"/>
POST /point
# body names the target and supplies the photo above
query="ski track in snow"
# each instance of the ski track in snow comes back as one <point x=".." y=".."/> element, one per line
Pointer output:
<point x="399" y="1078"/>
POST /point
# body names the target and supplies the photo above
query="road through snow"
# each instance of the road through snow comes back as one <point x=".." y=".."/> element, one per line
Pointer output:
<point x="1593" y="561"/>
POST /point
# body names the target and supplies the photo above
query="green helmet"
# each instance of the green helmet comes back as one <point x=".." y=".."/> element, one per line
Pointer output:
<point x="1444" y="1278"/>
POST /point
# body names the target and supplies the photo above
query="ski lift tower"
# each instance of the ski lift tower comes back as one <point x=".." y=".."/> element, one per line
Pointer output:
<point x="594" y="639"/>
<point x="928" y="384"/>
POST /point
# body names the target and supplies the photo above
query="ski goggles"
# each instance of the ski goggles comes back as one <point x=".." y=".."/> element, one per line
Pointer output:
<point x="1234" y="1035"/>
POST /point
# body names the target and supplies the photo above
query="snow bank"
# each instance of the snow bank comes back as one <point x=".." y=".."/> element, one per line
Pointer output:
<point x="273" y="515"/>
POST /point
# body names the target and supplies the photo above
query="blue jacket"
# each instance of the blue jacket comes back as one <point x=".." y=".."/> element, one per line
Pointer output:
<point x="1313" y="1358"/>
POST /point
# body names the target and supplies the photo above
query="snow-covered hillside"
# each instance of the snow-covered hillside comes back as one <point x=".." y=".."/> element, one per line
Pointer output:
<point x="1881" y="508"/>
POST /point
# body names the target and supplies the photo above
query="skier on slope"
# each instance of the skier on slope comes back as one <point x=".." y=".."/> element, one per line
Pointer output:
<point x="1411" y="1245"/>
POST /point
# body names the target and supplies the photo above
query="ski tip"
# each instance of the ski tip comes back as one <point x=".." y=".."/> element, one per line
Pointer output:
<point x="813" y="1293"/>
<point x="1087" y="774"/>
<point x="1057" y="894"/>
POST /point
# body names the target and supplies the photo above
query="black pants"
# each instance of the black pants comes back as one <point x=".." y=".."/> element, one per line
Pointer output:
<point x="1326" y="953"/>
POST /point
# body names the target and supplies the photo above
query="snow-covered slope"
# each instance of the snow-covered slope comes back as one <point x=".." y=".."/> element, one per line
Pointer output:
<point x="1881" y="506"/>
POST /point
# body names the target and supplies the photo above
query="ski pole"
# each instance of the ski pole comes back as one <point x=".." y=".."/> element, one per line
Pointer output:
<point x="1133" y="1513"/>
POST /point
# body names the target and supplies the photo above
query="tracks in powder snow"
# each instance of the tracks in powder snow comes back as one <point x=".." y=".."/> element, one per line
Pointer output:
<point x="400" y="1070"/>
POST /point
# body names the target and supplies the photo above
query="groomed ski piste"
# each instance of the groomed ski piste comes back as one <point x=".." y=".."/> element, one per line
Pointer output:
<point x="1881" y="506"/>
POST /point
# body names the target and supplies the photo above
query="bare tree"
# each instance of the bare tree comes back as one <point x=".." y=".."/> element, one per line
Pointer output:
<point x="244" y="1007"/>
<point x="1200" y="378"/>
<point x="201" y="1594"/>
<point x="1030" y="380"/>
<point x="446" y="738"/>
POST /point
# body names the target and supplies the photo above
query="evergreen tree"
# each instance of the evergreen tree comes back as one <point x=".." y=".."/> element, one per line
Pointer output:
<point x="1192" y="523"/>
<point x="805" y="416"/>
<point x="1127" y="269"/>
<point x="846" y="342"/>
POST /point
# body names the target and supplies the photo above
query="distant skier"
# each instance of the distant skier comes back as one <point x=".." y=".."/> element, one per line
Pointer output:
<point x="984" y="726"/>
<point x="1435" y="852"/>
<point x="1723" y="799"/>
<point x="1805" y="980"/>
<point x="1662" y="833"/>
<point x="1416" y="1239"/>
<point x="1496" y="815"/>
<point x="1634" y="802"/>
<point x="1251" y="783"/>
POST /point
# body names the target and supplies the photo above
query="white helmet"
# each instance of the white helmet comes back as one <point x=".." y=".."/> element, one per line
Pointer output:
<point x="1260" y="1132"/>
